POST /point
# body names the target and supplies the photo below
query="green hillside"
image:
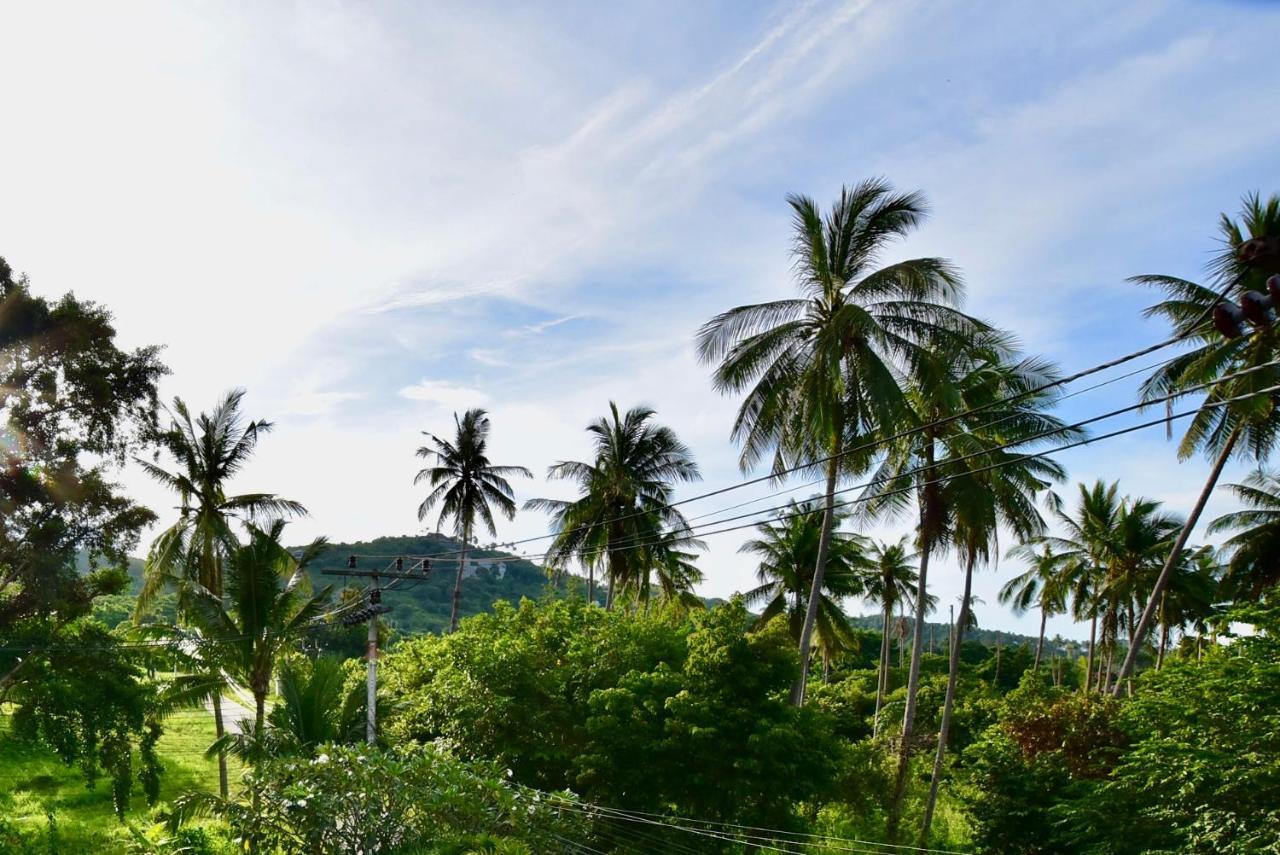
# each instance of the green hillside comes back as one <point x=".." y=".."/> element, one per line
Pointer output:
<point x="423" y="605"/>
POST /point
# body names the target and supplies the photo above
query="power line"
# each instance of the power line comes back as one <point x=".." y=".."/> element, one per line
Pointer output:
<point x="695" y="532"/>
<point x="930" y="425"/>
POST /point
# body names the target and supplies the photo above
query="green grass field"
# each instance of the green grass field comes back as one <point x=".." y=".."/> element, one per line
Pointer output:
<point x="34" y="782"/>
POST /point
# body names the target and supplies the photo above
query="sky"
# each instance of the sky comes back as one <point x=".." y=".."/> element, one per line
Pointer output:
<point x="372" y="215"/>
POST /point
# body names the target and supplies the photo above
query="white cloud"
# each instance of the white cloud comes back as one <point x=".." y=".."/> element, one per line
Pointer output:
<point x="444" y="393"/>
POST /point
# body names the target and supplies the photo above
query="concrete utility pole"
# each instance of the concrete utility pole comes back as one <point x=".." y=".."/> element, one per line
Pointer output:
<point x="370" y="615"/>
<point x="371" y="653"/>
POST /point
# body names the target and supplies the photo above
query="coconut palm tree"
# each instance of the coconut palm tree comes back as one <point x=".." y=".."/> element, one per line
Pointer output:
<point x="209" y="451"/>
<point x="891" y="583"/>
<point x="1188" y="599"/>
<point x="1253" y="550"/>
<point x="1085" y="550"/>
<point x="787" y="548"/>
<point x="822" y="371"/>
<point x="268" y="604"/>
<point x="673" y="565"/>
<point x="1041" y="586"/>
<point x="624" y="507"/>
<point x="466" y="486"/>
<point x="968" y="469"/>
<point x="1248" y="428"/>
<point x="994" y="477"/>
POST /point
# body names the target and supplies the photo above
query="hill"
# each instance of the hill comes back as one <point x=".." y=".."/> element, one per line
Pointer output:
<point x="423" y="605"/>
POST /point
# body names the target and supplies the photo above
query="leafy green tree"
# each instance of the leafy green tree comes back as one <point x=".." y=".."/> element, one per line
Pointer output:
<point x="892" y="583"/>
<point x="719" y="738"/>
<point x="513" y="685"/>
<point x="1249" y="427"/>
<point x="1253" y="550"/>
<point x="787" y="549"/>
<point x="73" y="407"/>
<point x="822" y="372"/>
<point x="407" y="799"/>
<point x="467" y="486"/>
<point x="623" y="517"/>
<point x="209" y="451"/>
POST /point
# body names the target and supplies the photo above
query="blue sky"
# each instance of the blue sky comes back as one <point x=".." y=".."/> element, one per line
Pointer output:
<point x="373" y="214"/>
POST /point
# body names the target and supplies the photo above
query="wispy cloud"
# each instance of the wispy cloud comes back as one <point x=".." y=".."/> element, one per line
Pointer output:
<point x="445" y="394"/>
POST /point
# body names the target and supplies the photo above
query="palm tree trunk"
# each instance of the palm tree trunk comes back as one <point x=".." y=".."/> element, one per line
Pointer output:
<point x="819" y="570"/>
<point x="457" y="581"/>
<point x="1044" y="616"/>
<point x="1088" y="666"/>
<point x="591" y="584"/>
<point x="882" y="678"/>
<point x="259" y="712"/>
<point x="826" y="665"/>
<point x="219" y="730"/>
<point x="1164" y="643"/>
<point x="1144" y="623"/>
<point x="953" y="673"/>
<point x="913" y="673"/>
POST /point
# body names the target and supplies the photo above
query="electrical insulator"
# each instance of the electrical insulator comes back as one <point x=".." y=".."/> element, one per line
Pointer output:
<point x="426" y="565"/>
<point x="375" y="596"/>
<point x="399" y="565"/>
<point x="1228" y="319"/>
<point x="351" y="562"/>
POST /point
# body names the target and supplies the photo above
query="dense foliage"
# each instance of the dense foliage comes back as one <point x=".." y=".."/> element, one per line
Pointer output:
<point x="569" y="696"/>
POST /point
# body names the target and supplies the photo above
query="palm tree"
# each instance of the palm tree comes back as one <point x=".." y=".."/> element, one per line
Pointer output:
<point x="268" y="604"/>
<point x="1253" y="550"/>
<point x="787" y="548"/>
<point x="823" y="371"/>
<point x="891" y="583"/>
<point x="979" y="410"/>
<point x="1188" y="599"/>
<point x="1040" y="586"/>
<point x="993" y="478"/>
<point x="673" y="564"/>
<point x="315" y="706"/>
<point x="1250" y="253"/>
<point x="209" y="450"/>
<point x="624" y="511"/>
<point x="467" y="487"/>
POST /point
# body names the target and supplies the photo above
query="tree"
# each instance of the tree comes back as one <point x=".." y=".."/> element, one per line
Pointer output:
<point x="267" y="606"/>
<point x="676" y="571"/>
<point x="317" y="706"/>
<point x="821" y="372"/>
<point x="1085" y="551"/>
<point x="467" y="486"/>
<point x="73" y="406"/>
<point x="209" y="451"/>
<point x="787" y="549"/>
<point x="1250" y="253"/>
<point x="981" y="409"/>
<point x="1041" y="586"/>
<point x="623" y="517"/>
<point x="993" y="478"/>
<point x="891" y="583"/>
<point x="1253" y="550"/>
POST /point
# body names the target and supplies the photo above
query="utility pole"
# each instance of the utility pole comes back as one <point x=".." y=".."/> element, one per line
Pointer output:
<point x="371" y="653"/>
<point x="370" y="615"/>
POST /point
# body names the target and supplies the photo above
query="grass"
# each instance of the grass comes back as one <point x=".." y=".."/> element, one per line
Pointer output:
<point x="35" y="783"/>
